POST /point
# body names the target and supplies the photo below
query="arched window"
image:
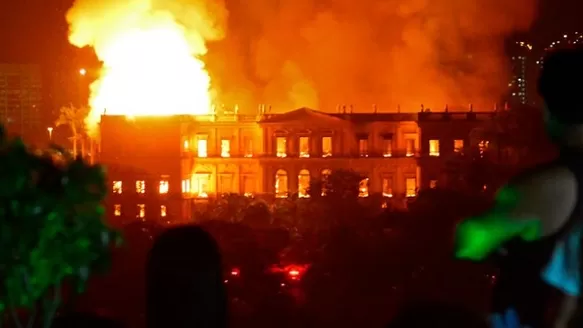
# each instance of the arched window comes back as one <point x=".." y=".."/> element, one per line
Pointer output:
<point x="363" y="188"/>
<point x="303" y="183"/>
<point x="281" y="189"/>
<point x="324" y="177"/>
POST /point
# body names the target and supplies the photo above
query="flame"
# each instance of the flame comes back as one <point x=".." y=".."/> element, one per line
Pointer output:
<point x="151" y="61"/>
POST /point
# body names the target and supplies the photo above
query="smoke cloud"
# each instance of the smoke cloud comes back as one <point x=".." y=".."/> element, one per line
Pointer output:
<point x="92" y="22"/>
<point x="320" y="53"/>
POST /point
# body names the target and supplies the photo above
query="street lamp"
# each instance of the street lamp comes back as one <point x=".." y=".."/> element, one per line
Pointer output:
<point x="50" y="129"/>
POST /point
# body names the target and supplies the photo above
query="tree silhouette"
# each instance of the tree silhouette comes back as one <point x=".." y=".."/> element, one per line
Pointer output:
<point x="74" y="118"/>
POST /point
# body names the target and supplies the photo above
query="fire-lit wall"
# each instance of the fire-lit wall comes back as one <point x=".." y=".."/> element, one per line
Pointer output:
<point x="444" y="136"/>
<point x="167" y="165"/>
<point x="142" y="157"/>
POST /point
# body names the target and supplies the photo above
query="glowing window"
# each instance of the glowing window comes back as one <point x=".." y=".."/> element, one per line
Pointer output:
<point x="248" y="146"/>
<point x="387" y="187"/>
<point x="363" y="147"/>
<point x="458" y="145"/>
<point x="226" y="183"/>
<point x="387" y="147"/>
<point x="325" y="175"/>
<point x="410" y="147"/>
<point x="432" y="184"/>
<point x="249" y="184"/>
<point x="433" y="147"/>
<point x="281" y="146"/>
<point x="201" y="184"/>
<point x="326" y="146"/>
<point x="201" y="147"/>
<point x="186" y="186"/>
<point x="163" y="212"/>
<point x="117" y="187"/>
<point x="303" y="184"/>
<point x="141" y="187"/>
<point x="281" y="189"/>
<point x="186" y="145"/>
<point x="225" y="148"/>
<point x="141" y="211"/>
<point x="410" y="187"/>
<point x="363" y="188"/>
<point x="117" y="210"/>
<point x="164" y="187"/>
<point x="304" y="147"/>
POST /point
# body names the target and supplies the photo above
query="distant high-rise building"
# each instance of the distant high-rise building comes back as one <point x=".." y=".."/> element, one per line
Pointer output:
<point x="20" y="98"/>
<point x="565" y="41"/>
<point x="521" y="82"/>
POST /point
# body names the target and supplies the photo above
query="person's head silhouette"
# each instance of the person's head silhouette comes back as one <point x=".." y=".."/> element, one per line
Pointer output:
<point x="561" y="86"/>
<point x="435" y="314"/>
<point x="185" y="287"/>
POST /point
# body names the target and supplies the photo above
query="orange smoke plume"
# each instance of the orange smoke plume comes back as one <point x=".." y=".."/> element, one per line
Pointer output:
<point x="387" y="52"/>
<point x="151" y="52"/>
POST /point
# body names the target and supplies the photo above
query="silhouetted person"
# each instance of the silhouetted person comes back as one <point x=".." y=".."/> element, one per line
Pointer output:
<point x="546" y="202"/>
<point x="426" y="315"/>
<point x="185" y="287"/>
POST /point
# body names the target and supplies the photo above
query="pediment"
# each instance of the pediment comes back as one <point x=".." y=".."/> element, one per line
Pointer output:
<point x="303" y="116"/>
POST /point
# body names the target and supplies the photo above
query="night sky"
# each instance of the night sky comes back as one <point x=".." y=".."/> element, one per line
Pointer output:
<point x="35" y="31"/>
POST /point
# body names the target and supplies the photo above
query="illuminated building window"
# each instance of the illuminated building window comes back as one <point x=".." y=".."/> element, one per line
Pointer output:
<point x="458" y="146"/>
<point x="186" y="145"/>
<point x="325" y="175"/>
<point x="434" y="147"/>
<point x="201" y="184"/>
<point x="411" y="187"/>
<point x="186" y="186"/>
<point x="363" y="146"/>
<point x="326" y="146"/>
<point x="304" y="147"/>
<point x="225" y="148"/>
<point x="387" y="187"/>
<point x="202" y="146"/>
<point x="141" y="187"/>
<point x="387" y="146"/>
<point x="163" y="212"/>
<point x="249" y="184"/>
<point x="141" y="211"/>
<point x="432" y="184"/>
<point x="410" y="147"/>
<point x="117" y="210"/>
<point x="226" y="183"/>
<point x="248" y="146"/>
<point x="303" y="184"/>
<point x="281" y="146"/>
<point x="281" y="189"/>
<point x="117" y="187"/>
<point x="164" y="187"/>
<point x="363" y="188"/>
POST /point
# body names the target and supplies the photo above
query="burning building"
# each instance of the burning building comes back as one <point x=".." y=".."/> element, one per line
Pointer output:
<point x="158" y="167"/>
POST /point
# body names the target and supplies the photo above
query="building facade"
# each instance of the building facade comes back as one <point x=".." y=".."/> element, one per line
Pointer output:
<point x="160" y="167"/>
<point x="20" y="98"/>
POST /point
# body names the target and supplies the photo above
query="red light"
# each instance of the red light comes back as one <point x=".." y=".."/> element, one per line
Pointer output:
<point x="294" y="273"/>
<point x="235" y="272"/>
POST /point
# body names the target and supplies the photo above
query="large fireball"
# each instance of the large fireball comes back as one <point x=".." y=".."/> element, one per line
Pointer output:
<point x="151" y="61"/>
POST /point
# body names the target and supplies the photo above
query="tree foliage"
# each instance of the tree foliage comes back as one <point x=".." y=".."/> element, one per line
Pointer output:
<point x="74" y="118"/>
<point x="51" y="225"/>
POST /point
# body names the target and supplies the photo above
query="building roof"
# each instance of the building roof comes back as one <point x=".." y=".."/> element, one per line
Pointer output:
<point x="300" y="114"/>
<point x="308" y="114"/>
